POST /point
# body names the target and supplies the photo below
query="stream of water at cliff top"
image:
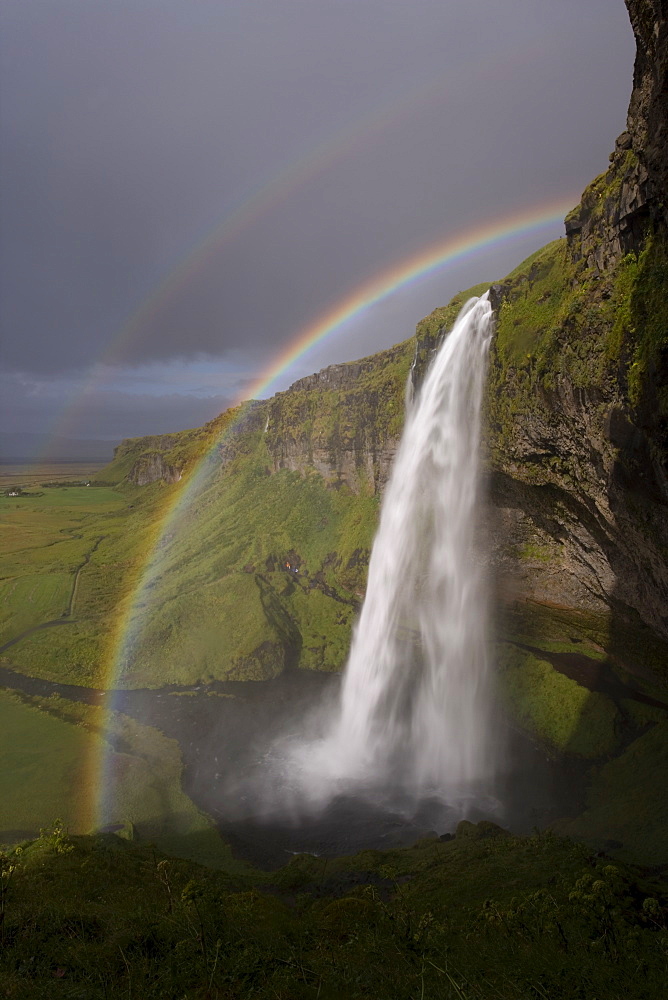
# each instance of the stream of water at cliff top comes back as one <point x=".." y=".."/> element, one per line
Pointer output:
<point x="413" y="710"/>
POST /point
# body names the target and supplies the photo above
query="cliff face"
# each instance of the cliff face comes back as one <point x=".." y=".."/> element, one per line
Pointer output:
<point x="578" y="390"/>
<point x="648" y="110"/>
<point x="343" y="422"/>
<point x="151" y="467"/>
<point x="615" y="210"/>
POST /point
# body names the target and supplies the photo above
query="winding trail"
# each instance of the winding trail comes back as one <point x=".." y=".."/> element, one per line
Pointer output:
<point x="66" y="617"/>
<point x="77" y="574"/>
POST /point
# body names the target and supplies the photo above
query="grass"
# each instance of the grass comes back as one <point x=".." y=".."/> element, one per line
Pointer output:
<point x="536" y="307"/>
<point x="84" y="499"/>
<point x="28" y="600"/>
<point x="101" y="531"/>
<point x="564" y="714"/>
<point x="620" y="804"/>
<point x="221" y="602"/>
<point x="482" y="917"/>
<point x="41" y="765"/>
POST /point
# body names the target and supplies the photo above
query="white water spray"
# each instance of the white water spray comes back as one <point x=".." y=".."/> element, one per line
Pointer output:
<point x="413" y="711"/>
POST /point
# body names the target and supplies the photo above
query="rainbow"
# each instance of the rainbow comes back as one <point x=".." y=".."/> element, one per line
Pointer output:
<point x="391" y="281"/>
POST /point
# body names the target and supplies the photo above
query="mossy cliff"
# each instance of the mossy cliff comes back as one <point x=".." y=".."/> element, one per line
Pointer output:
<point x="578" y="400"/>
<point x="344" y="422"/>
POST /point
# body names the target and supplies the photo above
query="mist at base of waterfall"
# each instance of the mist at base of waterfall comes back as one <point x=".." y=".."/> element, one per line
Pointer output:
<point x="412" y="722"/>
<point x="268" y="810"/>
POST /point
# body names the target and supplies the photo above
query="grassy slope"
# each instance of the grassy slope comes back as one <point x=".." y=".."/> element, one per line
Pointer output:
<point x="478" y="917"/>
<point x="41" y="765"/>
<point x="222" y="602"/>
<point x="50" y="752"/>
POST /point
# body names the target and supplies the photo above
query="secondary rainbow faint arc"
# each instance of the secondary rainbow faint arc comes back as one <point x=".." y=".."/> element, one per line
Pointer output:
<point x="262" y="200"/>
<point x="392" y="280"/>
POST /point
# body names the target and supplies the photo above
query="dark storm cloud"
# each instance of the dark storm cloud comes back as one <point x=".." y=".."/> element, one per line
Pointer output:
<point x="35" y="407"/>
<point x="131" y="128"/>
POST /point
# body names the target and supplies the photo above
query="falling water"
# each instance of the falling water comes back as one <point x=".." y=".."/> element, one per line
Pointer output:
<point x="413" y="707"/>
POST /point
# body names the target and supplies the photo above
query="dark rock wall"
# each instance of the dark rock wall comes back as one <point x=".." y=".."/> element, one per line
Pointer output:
<point x="615" y="210"/>
<point x="152" y="468"/>
<point x="612" y="217"/>
<point x="343" y="422"/>
<point x="648" y="109"/>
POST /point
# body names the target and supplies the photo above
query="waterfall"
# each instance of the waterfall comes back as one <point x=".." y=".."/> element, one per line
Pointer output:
<point x="413" y="709"/>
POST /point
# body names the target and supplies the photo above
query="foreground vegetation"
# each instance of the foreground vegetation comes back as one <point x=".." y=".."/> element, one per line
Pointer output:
<point x="481" y="916"/>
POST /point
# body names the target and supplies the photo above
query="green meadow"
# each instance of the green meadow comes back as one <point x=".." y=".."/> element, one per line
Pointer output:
<point x="69" y="553"/>
<point x="28" y="600"/>
<point x="42" y="765"/>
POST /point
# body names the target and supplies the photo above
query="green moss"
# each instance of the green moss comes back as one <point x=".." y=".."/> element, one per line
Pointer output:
<point x="564" y="714"/>
<point x="535" y="307"/>
<point x="623" y="804"/>
<point x="531" y="551"/>
<point x="622" y="326"/>
<point x="645" y="328"/>
<point x="561" y="326"/>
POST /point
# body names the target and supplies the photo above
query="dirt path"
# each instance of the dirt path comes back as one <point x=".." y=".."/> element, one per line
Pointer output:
<point x="77" y="574"/>
<point x="66" y="618"/>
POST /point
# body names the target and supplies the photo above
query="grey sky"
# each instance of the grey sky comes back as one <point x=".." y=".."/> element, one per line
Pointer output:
<point x="131" y="128"/>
